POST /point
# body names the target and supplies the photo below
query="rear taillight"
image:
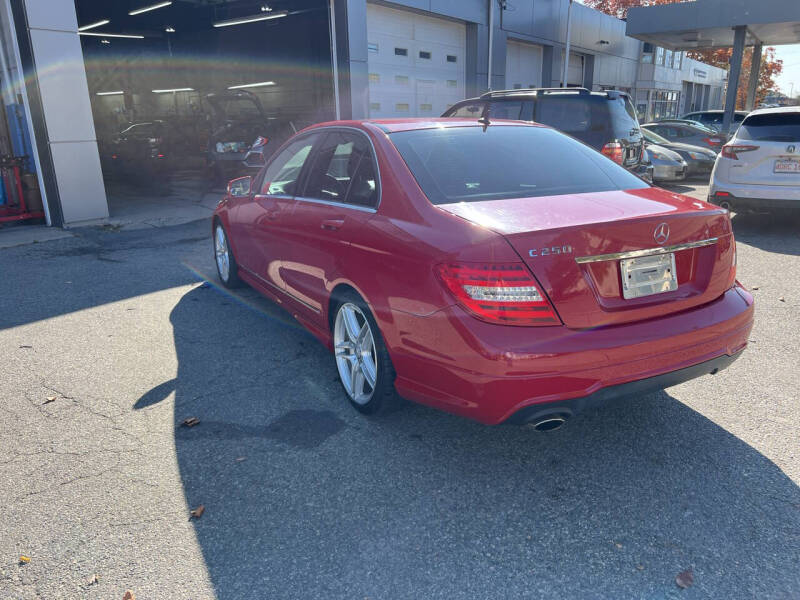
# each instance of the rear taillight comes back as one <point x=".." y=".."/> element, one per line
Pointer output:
<point x="712" y="141"/>
<point x="613" y="150"/>
<point x="503" y="293"/>
<point x="732" y="151"/>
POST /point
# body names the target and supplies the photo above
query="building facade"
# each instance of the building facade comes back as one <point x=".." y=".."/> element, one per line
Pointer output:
<point x="409" y="58"/>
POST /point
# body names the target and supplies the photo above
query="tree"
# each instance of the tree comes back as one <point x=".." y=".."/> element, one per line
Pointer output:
<point x="718" y="57"/>
<point x="619" y="8"/>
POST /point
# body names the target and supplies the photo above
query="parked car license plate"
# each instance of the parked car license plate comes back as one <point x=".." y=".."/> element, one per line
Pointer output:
<point x="787" y="165"/>
<point x="648" y="275"/>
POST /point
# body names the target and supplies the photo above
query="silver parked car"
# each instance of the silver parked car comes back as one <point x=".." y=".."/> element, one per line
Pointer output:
<point x="699" y="160"/>
<point x="685" y="133"/>
<point x="668" y="166"/>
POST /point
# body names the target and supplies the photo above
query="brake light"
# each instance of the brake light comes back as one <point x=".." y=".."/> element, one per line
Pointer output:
<point x="712" y="141"/>
<point x="613" y="150"/>
<point x="503" y="293"/>
<point x="732" y="151"/>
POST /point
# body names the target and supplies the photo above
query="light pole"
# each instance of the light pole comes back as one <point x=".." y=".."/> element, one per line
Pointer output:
<point x="566" y="47"/>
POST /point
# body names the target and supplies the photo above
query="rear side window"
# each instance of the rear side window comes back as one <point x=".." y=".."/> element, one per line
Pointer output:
<point x="470" y="110"/>
<point x="774" y="127"/>
<point x="572" y="114"/>
<point x="623" y="116"/>
<point x="344" y="171"/>
<point x="465" y="164"/>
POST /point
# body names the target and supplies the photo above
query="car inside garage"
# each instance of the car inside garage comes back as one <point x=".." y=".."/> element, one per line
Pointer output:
<point x="183" y="91"/>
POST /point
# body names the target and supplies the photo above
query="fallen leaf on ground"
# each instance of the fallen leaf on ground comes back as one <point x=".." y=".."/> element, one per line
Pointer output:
<point x="49" y="399"/>
<point x="198" y="512"/>
<point x="755" y="287"/>
<point x="26" y="346"/>
<point x="241" y="458"/>
<point x="684" y="579"/>
<point x="129" y="595"/>
<point x="24" y="560"/>
<point x="640" y="567"/>
<point x="190" y="422"/>
<point x="93" y="579"/>
<point x="782" y="299"/>
<point x="618" y="545"/>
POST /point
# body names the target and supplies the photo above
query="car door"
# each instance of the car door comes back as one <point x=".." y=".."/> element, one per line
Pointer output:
<point x="340" y="194"/>
<point x="261" y="220"/>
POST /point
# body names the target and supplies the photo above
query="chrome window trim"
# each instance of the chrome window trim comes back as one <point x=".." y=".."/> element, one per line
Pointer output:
<point x="367" y="209"/>
<point x="649" y="252"/>
<point x="378" y="179"/>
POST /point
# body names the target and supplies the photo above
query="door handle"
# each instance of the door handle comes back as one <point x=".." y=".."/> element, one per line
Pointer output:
<point x="332" y="224"/>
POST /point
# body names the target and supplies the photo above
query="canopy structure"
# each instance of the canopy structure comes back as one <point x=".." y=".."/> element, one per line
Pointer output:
<point x="720" y="24"/>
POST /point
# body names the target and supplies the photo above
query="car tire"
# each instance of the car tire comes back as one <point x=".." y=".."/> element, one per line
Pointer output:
<point x="227" y="269"/>
<point x="361" y="358"/>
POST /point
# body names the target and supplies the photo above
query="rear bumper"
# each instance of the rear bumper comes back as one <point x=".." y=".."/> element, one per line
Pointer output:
<point x="487" y="372"/>
<point x="640" y="387"/>
<point x="755" y="193"/>
<point x="737" y="204"/>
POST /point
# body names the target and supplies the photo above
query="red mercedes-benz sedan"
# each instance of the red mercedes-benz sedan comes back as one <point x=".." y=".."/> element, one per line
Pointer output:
<point x="501" y="271"/>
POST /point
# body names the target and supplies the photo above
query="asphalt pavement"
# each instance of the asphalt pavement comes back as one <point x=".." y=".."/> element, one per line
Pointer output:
<point x="109" y="340"/>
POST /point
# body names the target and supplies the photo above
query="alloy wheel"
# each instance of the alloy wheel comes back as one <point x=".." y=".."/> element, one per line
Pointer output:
<point x="221" y="253"/>
<point x="356" y="357"/>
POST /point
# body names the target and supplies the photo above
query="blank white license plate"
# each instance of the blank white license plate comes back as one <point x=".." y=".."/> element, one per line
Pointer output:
<point x="787" y="165"/>
<point x="648" y="275"/>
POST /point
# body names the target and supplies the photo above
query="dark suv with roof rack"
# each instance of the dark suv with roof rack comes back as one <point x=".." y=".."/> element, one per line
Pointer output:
<point x="606" y="120"/>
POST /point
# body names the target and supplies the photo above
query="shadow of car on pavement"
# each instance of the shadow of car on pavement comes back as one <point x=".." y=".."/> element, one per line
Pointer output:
<point x="306" y="498"/>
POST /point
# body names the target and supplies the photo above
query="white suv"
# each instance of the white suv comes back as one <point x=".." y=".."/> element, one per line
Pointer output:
<point x="759" y="168"/>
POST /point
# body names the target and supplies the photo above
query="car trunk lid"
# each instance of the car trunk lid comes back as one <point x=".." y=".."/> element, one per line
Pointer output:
<point x="551" y="233"/>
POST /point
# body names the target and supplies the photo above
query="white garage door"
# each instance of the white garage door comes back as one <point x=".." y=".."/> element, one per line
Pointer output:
<point x="523" y="65"/>
<point x="416" y="63"/>
<point x="575" y="70"/>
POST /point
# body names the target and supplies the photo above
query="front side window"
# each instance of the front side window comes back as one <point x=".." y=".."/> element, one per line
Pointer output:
<point x="280" y="178"/>
<point x="344" y="171"/>
<point x="467" y="164"/>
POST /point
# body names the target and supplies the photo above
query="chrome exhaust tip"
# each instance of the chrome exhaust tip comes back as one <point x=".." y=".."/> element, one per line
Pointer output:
<point x="548" y="423"/>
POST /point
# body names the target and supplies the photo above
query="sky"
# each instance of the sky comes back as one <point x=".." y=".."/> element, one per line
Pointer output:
<point x="791" y="68"/>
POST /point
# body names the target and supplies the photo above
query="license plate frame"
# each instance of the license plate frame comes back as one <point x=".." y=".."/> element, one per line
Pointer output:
<point x="786" y="161"/>
<point x="648" y="275"/>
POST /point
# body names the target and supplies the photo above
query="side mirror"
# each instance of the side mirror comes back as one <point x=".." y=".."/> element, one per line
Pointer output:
<point x="254" y="158"/>
<point x="240" y="187"/>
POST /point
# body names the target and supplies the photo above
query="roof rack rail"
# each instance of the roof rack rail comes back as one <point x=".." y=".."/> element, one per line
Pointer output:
<point x="527" y="91"/>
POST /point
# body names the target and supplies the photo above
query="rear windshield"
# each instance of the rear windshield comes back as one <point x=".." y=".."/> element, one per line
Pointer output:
<point x="499" y="109"/>
<point x="775" y="127"/>
<point x="466" y="164"/>
<point x="577" y="115"/>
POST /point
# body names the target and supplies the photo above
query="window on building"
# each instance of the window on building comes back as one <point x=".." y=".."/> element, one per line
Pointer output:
<point x="401" y="51"/>
<point x="677" y="61"/>
<point x="647" y="53"/>
<point x="668" y="58"/>
<point x="451" y="58"/>
<point x="425" y="54"/>
<point x="371" y="47"/>
<point x="401" y="79"/>
<point x="426" y="107"/>
<point x="659" y="56"/>
<point x="374" y="78"/>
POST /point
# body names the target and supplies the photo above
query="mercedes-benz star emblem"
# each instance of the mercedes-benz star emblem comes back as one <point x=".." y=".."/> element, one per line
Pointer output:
<point x="661" y="234"/>
<point x="790" y="149"/>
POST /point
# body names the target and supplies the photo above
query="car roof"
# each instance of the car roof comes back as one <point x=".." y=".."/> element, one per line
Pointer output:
<point x="778" y="110"/>
<point x="411" y="124"/>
